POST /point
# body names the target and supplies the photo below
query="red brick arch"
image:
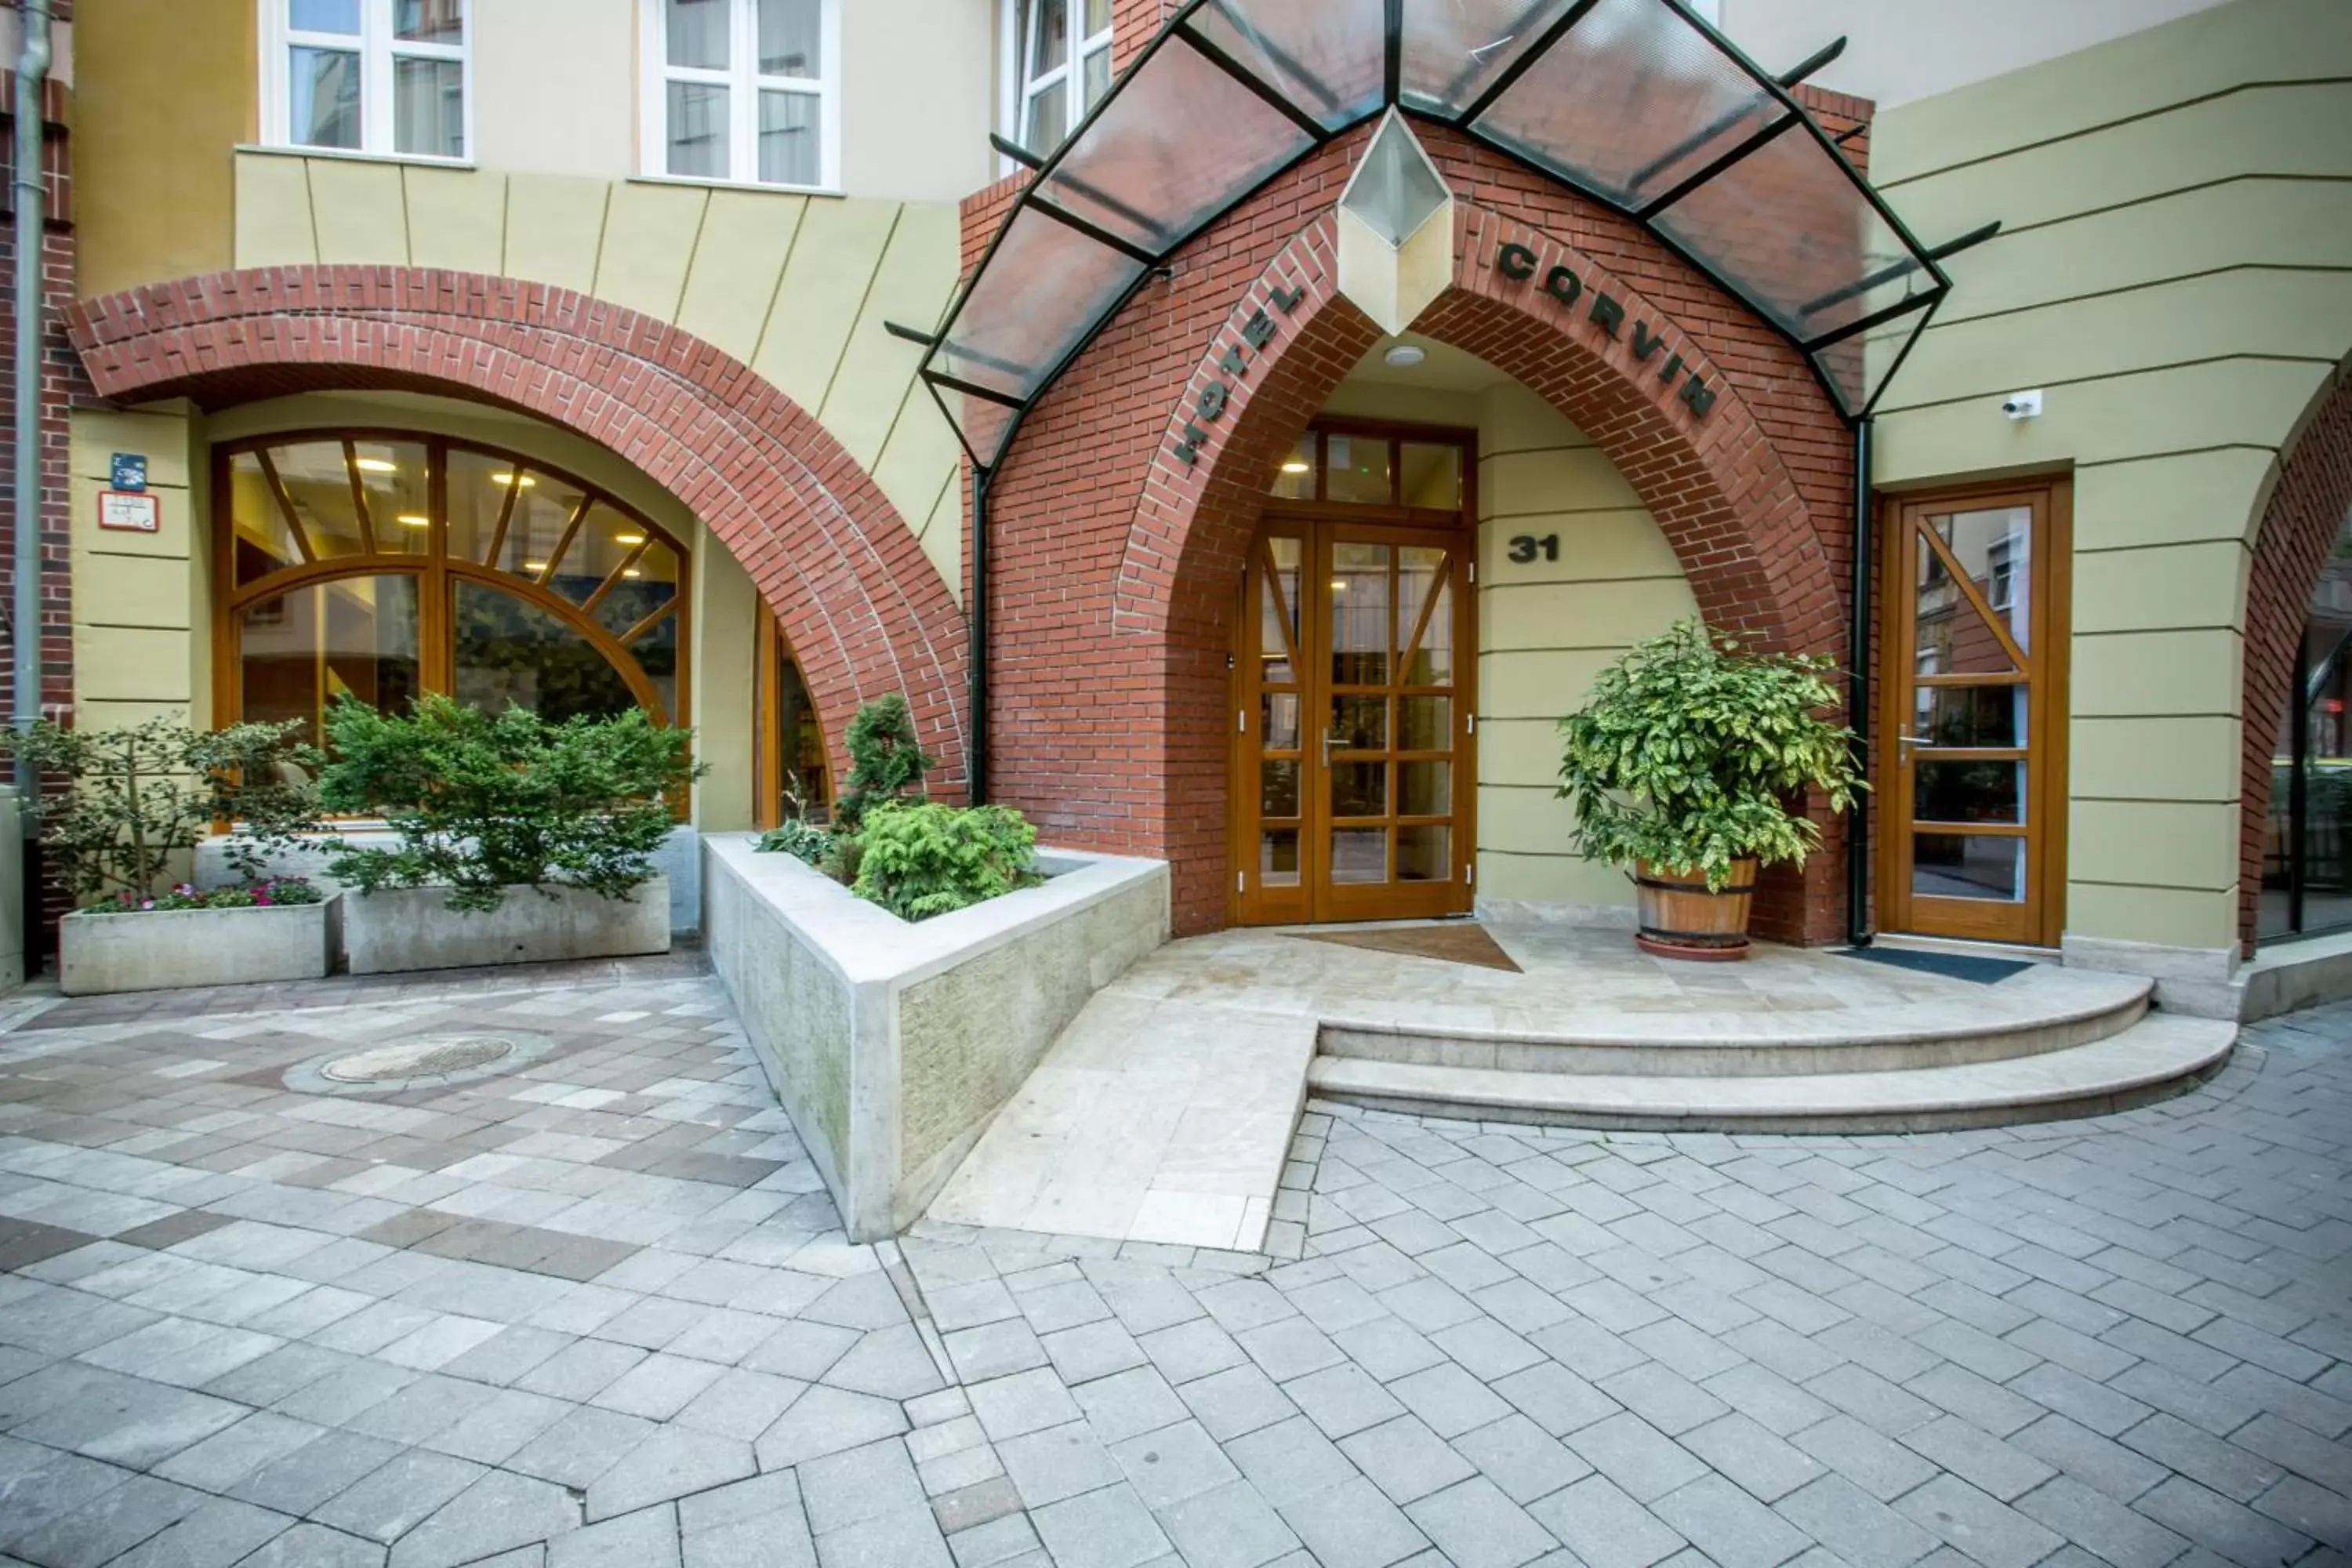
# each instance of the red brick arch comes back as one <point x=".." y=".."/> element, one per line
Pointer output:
<point x="2309" y="503"/>
<point x="866" y="612"/>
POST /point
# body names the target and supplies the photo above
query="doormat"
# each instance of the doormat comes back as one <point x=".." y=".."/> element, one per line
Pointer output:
<point x="1466" y="941"/>
<point x="1958" y="965"/>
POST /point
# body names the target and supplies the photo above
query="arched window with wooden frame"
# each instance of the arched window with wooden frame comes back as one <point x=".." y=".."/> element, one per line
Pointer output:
<point x="379" y="565"/>
<point x="791" y="774"/>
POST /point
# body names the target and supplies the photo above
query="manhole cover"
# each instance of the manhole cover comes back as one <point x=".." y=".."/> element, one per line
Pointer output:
<point x="434" y="1057"/>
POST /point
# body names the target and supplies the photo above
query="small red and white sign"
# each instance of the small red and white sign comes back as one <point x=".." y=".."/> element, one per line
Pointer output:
<point x="130" y="511"/>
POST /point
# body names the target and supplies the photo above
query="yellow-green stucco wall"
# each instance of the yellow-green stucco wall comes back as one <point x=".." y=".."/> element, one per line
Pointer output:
<point x="2175" y="272"/>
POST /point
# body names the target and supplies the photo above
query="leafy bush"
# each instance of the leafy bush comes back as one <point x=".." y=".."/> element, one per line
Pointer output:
<point x="1690" y="746"/>
<point x="802" y="840"/>
<point x="137" y="798"/>
<point x="886" y="764"/>
<point x="483" y="803"/>
<point x="277" y="892"/>
<point x="921" y="861"/>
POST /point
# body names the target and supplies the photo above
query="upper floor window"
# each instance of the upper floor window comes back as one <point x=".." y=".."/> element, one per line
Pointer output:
<point x="745" y="90"/>
<point x="1061" y="50"/>
<point x="367" y="76"/>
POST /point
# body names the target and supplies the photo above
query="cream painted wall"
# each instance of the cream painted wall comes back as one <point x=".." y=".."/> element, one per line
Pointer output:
<point x="918" y="99"/>
<point x="143" y="607"/>
<point x="558" y="86"/>
<point x="796" y="287"/>
<point x="2176" y="274"/>
<point x="1545" y="629"/>
<point x="1899" y="50"/>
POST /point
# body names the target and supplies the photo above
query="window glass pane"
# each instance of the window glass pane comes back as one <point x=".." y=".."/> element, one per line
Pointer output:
<point x="1096" y="79"/>
<point x="1049" y="35"/>
<point x="260" y="537"/>
<point x="1359" y="723"/>
<point x="1049" y="119"/>
<point x="1954" y="638"/>
<point x="301" y="652"/>
<point x="1995" y="548"/>
<point x="1278" y="721"/>
<point x="697" y="129"/>
<point x="2276" y="917"/>
<point x="323" y="16"/>
<point x="428" y="107"/>
<point x="1424" y="723"/>
<point x="1295" y="480"/>
<point x="1957" y="866"/>
<point x="1278" y="787"/>
<point x="1097" y="16"/>
<point x="1359" y="615"/>
<point x="645" y="585"/>
<point x="1359" y="789"/>
<point x="790" y="138"/>
<point x="429" y="21"/>
<point x="1968" y="791"/>
<point x="1421" y="571"/>
<point x="512" y="652"/>
<point x="324" y="107"/>
<point x="1277" y="857"/>
<point x="1356" y="468"/>
<point x="480" y="483"/>
<point x="698" y="33"/>
<point x="596" y="548"/>
<point x="656" y="655"/>
<point x="801" y="739"/>
<point x="791" y="36"/>
<point x="318" y="482"/>
<point x="1359" y="855"/>
<point x="397" y="486"/>
<point x="1971" y="716"/>
<point x="1431" y="475"/>
<point x="1424" y="854"/>
<point x="1424" y="789"/>
<point x="543" y="515"/>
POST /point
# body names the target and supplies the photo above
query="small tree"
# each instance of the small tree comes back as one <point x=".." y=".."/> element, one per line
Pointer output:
<point x="1690" y="748"/>
<point x="885" y="762"/>
<point x="484" y="803"/>
<point x="926" y="859"/>
<point x="136" y="799"/>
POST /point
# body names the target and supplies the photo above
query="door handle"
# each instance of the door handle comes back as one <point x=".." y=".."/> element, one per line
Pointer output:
<point x="1328" y="739"/>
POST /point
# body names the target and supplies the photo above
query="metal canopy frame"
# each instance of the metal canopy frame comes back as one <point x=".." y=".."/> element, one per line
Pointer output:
<point x="1327" y="115"/>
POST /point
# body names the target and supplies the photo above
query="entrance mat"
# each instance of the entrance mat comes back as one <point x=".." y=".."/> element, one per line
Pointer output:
<point x="1464" y="941"/>
<point x="1958" y="965"/>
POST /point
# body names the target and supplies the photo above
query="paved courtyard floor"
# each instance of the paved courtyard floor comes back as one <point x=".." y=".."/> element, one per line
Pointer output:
<point x="592" y="1306"/>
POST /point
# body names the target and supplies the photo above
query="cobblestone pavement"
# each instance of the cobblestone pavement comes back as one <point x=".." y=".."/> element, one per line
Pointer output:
<point x="597" y="1309"/>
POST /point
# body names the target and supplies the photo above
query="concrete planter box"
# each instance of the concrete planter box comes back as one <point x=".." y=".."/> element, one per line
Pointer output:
<point x="163" y="949"/>
<point x="394" y="929"/>
<point x="892" y="1046"/>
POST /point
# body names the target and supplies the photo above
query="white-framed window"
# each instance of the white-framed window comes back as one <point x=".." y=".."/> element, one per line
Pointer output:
<point x="744" y="90"/>
<point x="387" y="77"/>
<point x="1059" y="51"/>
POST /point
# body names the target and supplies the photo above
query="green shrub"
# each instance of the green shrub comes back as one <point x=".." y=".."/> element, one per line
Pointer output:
<point x="1690" y="748"/>
<point x="921" y="861"/>
<point x="886" y="764"/>
<point x="483" y="803"/>
<point x="137" y="799"/>
<point x="802" y="840"/>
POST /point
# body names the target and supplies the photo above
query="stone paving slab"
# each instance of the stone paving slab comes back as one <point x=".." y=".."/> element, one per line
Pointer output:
<point x="599" y="1311"/>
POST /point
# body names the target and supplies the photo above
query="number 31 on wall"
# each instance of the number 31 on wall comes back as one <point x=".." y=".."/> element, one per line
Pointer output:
<point x="1526" y="547"/>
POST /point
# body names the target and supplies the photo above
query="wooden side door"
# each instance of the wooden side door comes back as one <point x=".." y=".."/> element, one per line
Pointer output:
<point x="1972" y="762"/>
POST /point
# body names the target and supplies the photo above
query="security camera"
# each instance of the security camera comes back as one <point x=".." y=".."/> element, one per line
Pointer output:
<point x="2022" y="405"/>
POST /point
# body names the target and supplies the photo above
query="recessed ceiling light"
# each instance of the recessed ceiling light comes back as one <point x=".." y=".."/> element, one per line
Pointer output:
<point x="534" y="565"/>
<point x="375" y="465"/>
<point x="1404" y="356"/>
<point x="508" y="478"/>
<point x="414" y="519"/>
<point x="1298" y="466"/>
<point x="632" y="572"/>
<point x="629" y="538"/>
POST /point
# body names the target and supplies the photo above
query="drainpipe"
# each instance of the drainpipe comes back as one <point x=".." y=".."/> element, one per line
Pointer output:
<point x="976" y="753"/>
<point x="1857" y="828"/>
<point x="32" y="68"/>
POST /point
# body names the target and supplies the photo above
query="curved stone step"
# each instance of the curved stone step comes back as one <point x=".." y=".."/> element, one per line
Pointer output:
<point x="2161" y="1053"/>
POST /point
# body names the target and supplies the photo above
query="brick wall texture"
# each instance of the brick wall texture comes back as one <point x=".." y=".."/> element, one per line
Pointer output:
<point x="857" y="599"/>
<point x="1117" y="563"/>
<point x="2308" y="507"/>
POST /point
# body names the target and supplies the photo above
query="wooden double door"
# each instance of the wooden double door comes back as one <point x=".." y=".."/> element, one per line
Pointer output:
<point x="1354" y="775"/>
<point x="1972" y="751"/>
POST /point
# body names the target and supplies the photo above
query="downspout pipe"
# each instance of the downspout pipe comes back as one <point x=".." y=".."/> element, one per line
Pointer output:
<point x="32" y="71"/>
<point x="1857" y="824"/>
<point x="976" y="753"/>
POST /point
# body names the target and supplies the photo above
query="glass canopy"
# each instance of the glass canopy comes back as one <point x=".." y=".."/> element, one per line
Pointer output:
<point x="1635" y="103"/>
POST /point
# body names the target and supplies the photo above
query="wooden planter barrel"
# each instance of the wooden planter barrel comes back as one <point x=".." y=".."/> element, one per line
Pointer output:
<point x="1680" y="918"/>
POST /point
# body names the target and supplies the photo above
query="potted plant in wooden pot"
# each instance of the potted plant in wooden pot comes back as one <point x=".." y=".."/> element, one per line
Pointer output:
<point x="119" y="837"/>
<point x="1682" y="766"/>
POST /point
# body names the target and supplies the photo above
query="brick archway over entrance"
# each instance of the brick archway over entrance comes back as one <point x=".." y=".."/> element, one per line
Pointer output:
<point x="1113" y="547"/>
<point x="2308" y="507"/>
<point x="866" y="613"/>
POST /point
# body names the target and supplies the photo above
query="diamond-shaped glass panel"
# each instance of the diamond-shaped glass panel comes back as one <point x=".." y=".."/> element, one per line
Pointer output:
<point x="1396" y="188"/>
